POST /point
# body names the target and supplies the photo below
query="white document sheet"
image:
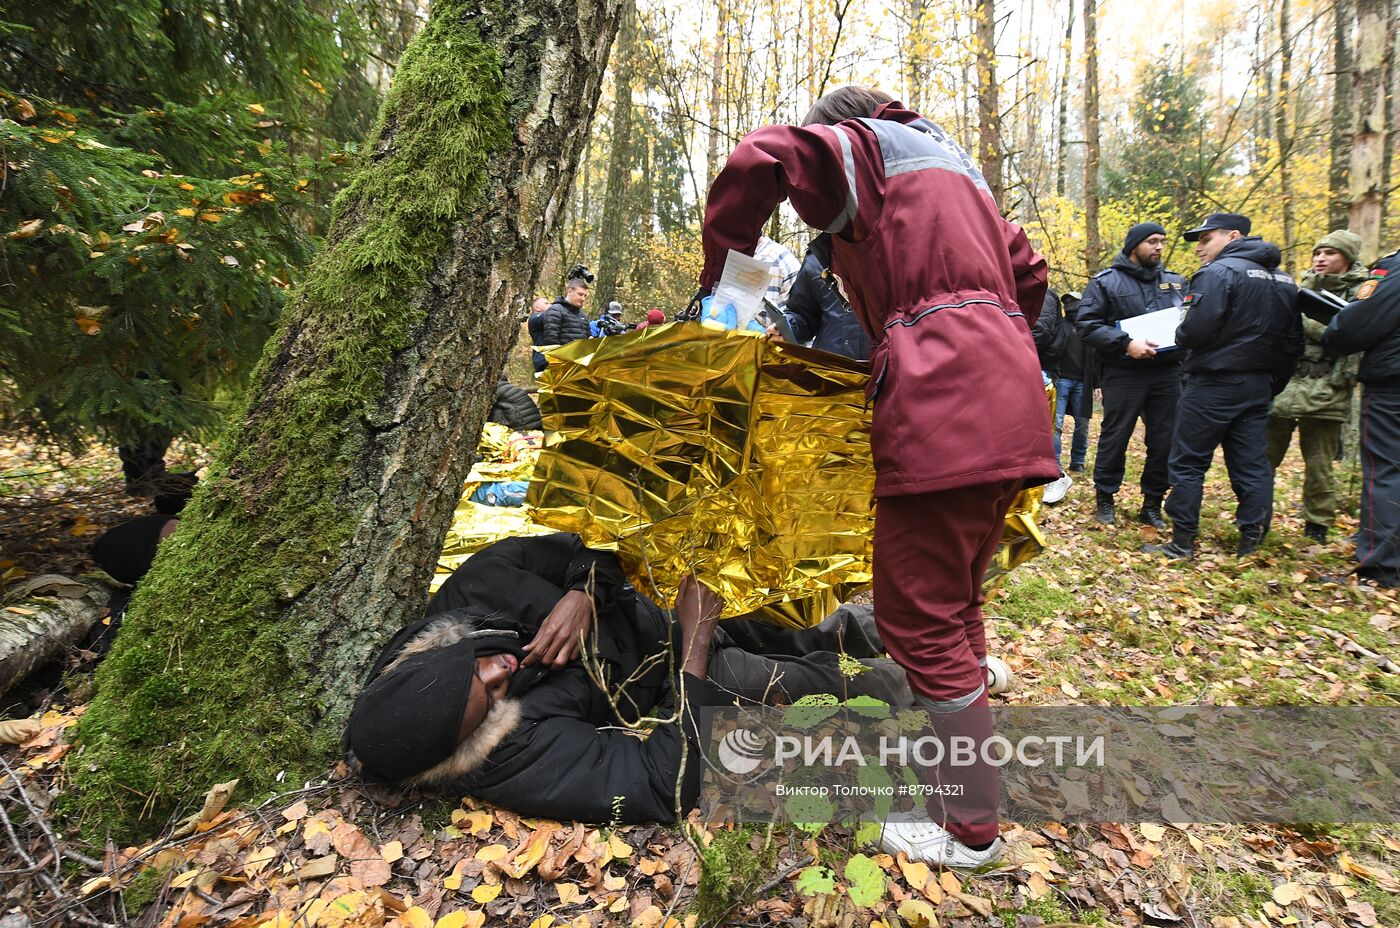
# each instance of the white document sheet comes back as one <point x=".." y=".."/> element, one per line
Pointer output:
<point x="739" y="295"/>
<point x="1159" y="327"/>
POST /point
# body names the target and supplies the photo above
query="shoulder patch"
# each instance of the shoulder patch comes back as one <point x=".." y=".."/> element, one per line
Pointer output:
<point x="1190" y="298"/>
<point x="1368" y="288"/>
<point x="1379" y="272"/>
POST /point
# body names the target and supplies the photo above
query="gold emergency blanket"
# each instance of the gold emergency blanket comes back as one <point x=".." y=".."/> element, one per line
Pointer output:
<point x="504" y="455"/>
<point x="743" y="460"/>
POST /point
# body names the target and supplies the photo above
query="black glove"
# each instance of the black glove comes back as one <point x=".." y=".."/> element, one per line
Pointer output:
<point x="692" y="309"/>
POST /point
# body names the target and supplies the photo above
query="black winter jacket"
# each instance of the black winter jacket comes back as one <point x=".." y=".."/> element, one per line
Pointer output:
<point x="1119" y="292"/>
<point x="513" y="408"/>
<point x="1073" y="356"/>
<point x="1241" y="314"/>
<point x="563" y="323"/>
<point x="1049" y="333"/>
<point x="560" y="763"/>
<point x="816" y="311"/>
<point x="1372" y="324"/>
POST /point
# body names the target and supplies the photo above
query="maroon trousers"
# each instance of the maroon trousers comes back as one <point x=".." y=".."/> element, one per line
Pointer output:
<point x="931" y="551"/>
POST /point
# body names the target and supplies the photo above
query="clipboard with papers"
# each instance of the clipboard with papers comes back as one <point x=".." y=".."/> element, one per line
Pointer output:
<point x="1319" y="304"/>
<point x="1158" y="327"/>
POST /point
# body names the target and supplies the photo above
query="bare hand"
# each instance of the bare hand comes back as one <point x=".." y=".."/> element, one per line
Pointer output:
<point x="774" y="334"/>
<point x="560" y="637"/>
<point x="697" y="612"/>
<point x="1141" y="348"/>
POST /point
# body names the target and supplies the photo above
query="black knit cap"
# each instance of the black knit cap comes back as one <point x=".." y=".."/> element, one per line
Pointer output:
<point x="127" y="550"/>
<point x="1138" y="234"/>
<point x="407" y="720"/>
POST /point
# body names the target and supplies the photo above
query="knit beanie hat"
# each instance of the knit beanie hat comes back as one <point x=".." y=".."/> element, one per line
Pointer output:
<point x="1138" y="233"/>
<point x="1345" y="241"/>
<point x="404" y="726"/>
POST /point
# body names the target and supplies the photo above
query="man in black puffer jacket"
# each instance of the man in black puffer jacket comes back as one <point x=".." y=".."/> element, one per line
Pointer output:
<point x="1245" y="335"/>
<point x="1138" y="382"/>
<point x="564" y="321"/>
<point x="513" y="408"/>
<point x="816" y="311"/>
<point x="1372" y="324"/>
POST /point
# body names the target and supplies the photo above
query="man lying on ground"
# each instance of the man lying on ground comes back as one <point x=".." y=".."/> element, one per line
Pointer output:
<point x="489" y="694"/>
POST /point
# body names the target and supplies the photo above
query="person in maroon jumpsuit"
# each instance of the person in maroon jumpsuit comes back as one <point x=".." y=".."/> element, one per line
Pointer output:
<point x="947" y="291"/>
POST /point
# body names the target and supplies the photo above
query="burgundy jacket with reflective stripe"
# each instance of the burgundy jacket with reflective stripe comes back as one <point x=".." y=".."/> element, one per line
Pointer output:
<point x="946" y="288"/>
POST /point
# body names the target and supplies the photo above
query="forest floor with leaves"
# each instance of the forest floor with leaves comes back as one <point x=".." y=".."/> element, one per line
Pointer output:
<point x="1090" y="622"/>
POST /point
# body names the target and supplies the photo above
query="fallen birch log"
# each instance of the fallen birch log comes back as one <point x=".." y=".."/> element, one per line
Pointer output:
<point x="41" y="620"/>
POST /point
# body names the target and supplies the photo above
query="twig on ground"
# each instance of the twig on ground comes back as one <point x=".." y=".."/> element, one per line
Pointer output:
<point x="1351" y="647"/>
<point x="36" y="817"/>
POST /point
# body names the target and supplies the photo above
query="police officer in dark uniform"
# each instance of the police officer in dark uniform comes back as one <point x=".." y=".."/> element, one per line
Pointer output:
<point x="1138" y="382"/>
<point x="1372" y="324"/>
<point x="1245" y="335"/>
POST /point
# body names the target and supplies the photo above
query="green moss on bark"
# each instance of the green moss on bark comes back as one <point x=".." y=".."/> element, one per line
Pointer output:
<point x="207" y="679"/>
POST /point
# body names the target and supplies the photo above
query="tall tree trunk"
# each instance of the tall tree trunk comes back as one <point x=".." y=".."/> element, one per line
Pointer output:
<point x="1372" y="109"/>
<point x="318" y="527"/>
<point x="1281" y="130"/>
<point x="1339" y="145"/>
<point x="989" y="147"/>
<point x="915" y="64"/>
<point x="613" y="238"/>
<point x="1062" y="130"/>
<point x="716" y="95"/>
<point x="1263" y="125"/>
<point x="1092" y="245"/>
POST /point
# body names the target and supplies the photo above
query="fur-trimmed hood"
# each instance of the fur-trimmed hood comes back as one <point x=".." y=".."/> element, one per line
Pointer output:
<point x="403" y="729"/>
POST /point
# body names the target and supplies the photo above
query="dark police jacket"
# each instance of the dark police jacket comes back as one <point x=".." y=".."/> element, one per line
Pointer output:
<point x="1372" y="324"/>
<point x="563" y="323"/>
<point x="816" y="311"/>
<point x="560" y="763"/>
<point x="1119" y="292"/>
<point x="1241" y="315"/>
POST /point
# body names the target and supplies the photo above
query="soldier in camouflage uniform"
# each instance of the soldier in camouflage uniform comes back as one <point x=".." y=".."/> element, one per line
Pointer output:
<point x="1317" y="399"/>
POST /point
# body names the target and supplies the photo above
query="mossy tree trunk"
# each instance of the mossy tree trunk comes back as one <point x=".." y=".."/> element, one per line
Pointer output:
<point x="318" y="527"/>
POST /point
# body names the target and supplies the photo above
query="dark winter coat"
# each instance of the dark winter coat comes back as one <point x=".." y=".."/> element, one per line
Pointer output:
<point x="563" y="323"/>
<point x="1121" y="291"/>
<point x="1049" y="334"/>
<point x="945" y="287"/>
<point x="559" y="763"/>
<point x="1372" y="324"/>
<point x="1074" y="357"/>
<point x="816" y="311"/>
<point x="513" y="408"/>
<point x="1241" y="314"/>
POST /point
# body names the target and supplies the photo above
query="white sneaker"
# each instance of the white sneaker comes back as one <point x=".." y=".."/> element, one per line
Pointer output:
<point x="1056" y="490"/>
<point x="922" y="840"/>
<point x="999" y="676"/>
